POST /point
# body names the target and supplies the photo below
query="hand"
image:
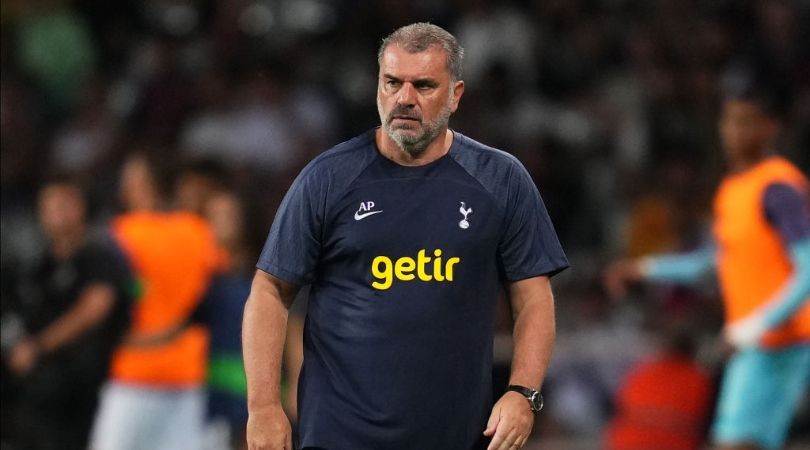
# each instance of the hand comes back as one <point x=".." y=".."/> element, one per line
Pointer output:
<point x="23" y="357"/>
<point x="617" y="275"/>
<point x="269" y="430"/>
<point x="510" y="423"/>
<point x="745" y="333"/>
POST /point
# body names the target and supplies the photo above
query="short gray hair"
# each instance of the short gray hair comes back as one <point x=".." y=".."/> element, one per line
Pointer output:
<point x="418" y="37"/>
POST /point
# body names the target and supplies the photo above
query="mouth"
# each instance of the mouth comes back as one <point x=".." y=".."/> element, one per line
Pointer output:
<point x="403" y="117"/>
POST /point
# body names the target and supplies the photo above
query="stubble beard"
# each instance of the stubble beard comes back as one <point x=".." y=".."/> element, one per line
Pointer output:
<point x="414" y="144"/>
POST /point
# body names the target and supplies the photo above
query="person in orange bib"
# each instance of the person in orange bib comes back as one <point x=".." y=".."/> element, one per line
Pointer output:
<point x="155" y="398"/>
<point x="761" y="254"/>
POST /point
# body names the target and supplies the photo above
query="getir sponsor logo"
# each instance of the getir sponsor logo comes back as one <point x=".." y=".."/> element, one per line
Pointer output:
<point x="424" y="267"/>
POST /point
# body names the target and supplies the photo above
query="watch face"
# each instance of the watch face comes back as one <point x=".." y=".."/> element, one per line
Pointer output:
<point x="536" y="401"/>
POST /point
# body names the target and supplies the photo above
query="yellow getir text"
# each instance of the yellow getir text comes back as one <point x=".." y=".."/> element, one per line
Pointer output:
<point x="425" y="268"/>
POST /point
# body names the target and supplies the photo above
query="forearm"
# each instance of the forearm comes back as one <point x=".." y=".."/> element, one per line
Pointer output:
<point x="91" y="308"/>
<point x="796" y="291"/>
<point x="533" y="335"/>
<point x="680" y="267"/>
<point x="263" y="333"/>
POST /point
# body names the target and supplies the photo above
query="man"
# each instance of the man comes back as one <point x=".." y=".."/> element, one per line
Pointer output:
<point x="762" y="257"/>
<point x="197" y="182"/>
<point x="222" y="309"/>
<point x="404" y="234"/>
<point x="156" y="397"/>
<point x="74" y="308"/>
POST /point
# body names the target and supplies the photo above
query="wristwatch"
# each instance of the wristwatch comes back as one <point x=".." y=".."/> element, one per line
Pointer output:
<point x="534" y="397"/>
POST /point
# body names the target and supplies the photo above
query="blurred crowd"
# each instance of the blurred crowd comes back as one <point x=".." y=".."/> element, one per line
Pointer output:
<point x="610" y="104"/>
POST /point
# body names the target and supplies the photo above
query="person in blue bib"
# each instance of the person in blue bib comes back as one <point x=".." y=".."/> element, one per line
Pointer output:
<point x="406" y="235"/>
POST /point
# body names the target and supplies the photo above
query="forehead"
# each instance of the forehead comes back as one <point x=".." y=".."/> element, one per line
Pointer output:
<point x="398" y="62"/>
<point x="60" y="193"/>
<point x="741" y="107"/>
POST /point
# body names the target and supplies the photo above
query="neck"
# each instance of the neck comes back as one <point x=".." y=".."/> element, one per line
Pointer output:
<point x="145" y="204"/>
<point x="743" y="164"/>
<point x="435" y="150"/>
<point x="65" y="245"/>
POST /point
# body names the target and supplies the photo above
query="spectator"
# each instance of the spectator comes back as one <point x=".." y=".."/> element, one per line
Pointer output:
<point x="198" y="182"/>
<point x="664" y="402"/>
<point x="56" y="49"/>
<point x="155" y="398"/>
<point x="74" y="309"/>
<point x="225" y="301"/>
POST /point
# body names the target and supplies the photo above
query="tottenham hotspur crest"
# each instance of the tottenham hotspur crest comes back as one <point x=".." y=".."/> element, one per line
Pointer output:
<point x="464" y="224"/>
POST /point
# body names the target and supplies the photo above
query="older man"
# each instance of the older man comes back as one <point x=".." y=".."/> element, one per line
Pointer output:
<point x="405" y="234"/>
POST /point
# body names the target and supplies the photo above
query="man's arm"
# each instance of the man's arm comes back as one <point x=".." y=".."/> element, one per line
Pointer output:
<point x="796" y="292"/>
<point x="685" y="268"/>
<point x="786" y="209"/>
<point x="263" y="332"/>
<point x="532" y="302"/>
<point x="91" y="308"/>
<point x="682" y="268"/>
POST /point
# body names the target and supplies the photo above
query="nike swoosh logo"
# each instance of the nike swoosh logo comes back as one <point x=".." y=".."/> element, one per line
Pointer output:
<point x="358" y="216"/>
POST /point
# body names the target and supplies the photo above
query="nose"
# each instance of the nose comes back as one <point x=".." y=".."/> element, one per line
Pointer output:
<point x="407" y="95"/>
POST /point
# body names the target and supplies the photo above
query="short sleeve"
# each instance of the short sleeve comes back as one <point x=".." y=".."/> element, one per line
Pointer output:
<point x="529" y="245"/>
<point x="293" y="246"/>
<point x="788" y="212"/>
<point x="103" y="262"/>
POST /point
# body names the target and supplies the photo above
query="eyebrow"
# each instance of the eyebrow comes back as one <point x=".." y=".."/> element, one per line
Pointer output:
<point x="419" y="82"/>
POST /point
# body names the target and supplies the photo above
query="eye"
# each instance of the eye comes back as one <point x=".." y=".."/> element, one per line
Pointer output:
<point x="393" y="83"/>
<point x="425" y="85"/>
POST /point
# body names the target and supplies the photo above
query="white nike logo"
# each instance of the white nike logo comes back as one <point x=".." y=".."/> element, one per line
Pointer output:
<point x="358" y="216"/>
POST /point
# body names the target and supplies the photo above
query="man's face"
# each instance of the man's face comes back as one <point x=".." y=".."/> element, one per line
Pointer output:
<point x="745" y="130"/>
<point x="194" y="191"/>
<point x="61" y="210"/>
<point x="415" y="96"/>
<point x="224" y="213"/>
<point x="136" y="187"/>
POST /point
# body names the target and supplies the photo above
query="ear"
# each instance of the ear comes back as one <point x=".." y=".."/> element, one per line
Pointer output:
<point x="458" y="91"/>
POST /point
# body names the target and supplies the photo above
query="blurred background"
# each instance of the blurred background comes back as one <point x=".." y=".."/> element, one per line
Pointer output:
<point x="610" y="104"/>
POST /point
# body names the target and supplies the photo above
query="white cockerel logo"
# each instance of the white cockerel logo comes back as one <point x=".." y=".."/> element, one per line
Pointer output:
<point x="465" y="212"/>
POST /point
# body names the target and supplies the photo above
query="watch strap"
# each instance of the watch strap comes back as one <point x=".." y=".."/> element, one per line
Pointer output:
<point x="533" y="396"/>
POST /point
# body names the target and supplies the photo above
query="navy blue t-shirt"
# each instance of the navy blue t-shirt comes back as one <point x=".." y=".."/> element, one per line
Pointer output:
<point x="405" y="266"/>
